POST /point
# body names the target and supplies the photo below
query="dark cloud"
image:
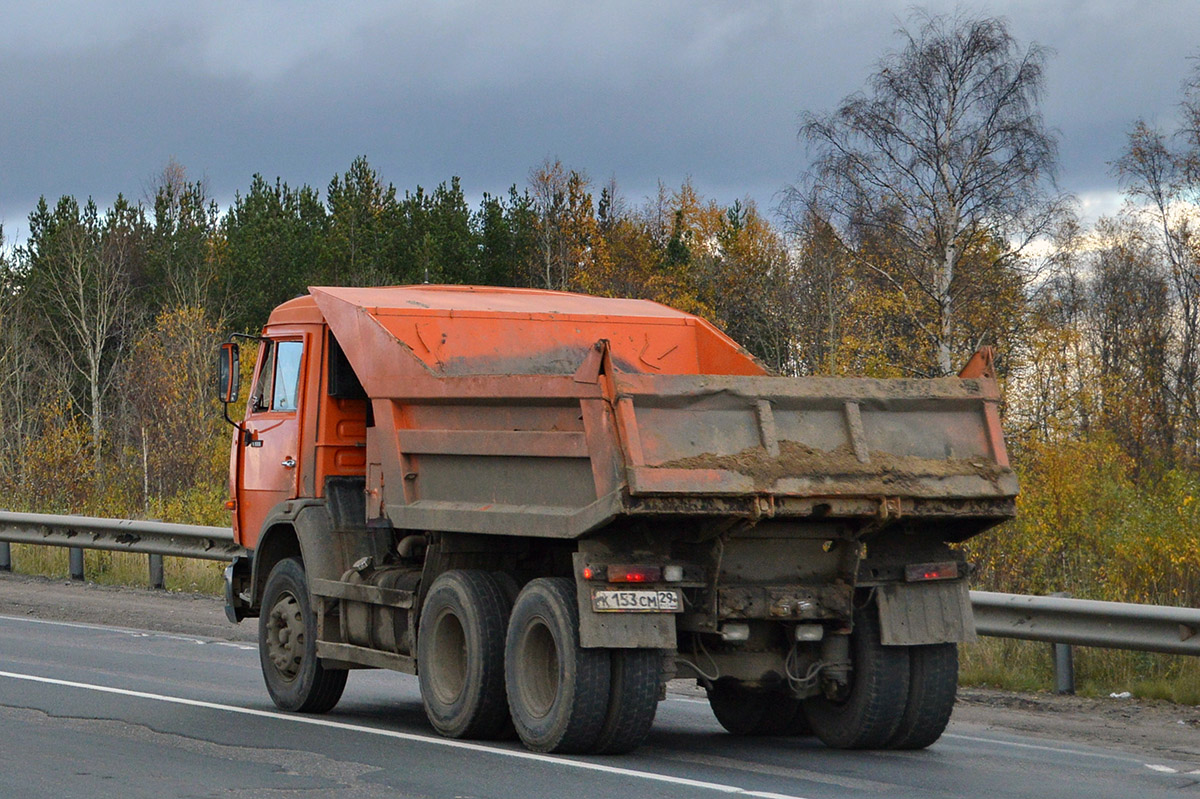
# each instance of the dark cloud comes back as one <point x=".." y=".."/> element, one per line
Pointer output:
<point x="97" y="99"/>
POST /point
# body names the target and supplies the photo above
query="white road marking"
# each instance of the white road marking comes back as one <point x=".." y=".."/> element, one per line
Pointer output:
<point x="518" y="754"/>
<point x="994" y="741"/>
<point x="1161" y="769"/>
<point x="1055" y="749"/>
<point x="135" y="633"/>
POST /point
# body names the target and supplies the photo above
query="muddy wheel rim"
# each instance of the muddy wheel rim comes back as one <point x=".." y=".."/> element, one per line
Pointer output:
<point x="538" y="677"/>
<point x="448" y="676"/>
<point x="285" y="636"/>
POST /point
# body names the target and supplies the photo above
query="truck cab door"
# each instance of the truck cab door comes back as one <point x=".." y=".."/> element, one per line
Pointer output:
<point x="270" y="446"/>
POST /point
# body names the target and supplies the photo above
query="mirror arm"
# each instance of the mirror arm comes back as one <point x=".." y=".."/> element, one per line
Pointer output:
<point x="245" y="434"/>
<point x="237" y="425"/>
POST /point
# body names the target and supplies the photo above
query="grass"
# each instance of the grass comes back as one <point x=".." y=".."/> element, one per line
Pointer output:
<point x="120" y="568"/>
<point x="1029" y="666"/>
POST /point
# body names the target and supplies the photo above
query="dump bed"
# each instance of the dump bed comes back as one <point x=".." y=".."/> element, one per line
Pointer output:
<point x="550" y="414"/>
<point x="794" y="441"/>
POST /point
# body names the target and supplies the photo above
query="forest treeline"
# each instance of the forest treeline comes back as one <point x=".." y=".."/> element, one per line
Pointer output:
<point x="109" y="317"/>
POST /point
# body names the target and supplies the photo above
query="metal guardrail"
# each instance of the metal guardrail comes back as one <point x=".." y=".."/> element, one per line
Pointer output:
<point x="151" y="538"/>
<point x="120" y="535"/>
<point x="1088" y="622"/>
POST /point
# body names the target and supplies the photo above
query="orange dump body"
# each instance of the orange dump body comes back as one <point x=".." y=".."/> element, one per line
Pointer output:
<point x="466" y="330"/>
<point x="515" y="411"/>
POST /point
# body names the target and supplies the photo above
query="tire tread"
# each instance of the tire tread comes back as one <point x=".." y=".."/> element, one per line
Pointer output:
<point x="633" y="700"/>
<point x="576" y="727"/>
<point x="871" y="713"/>
<point x="933" y="687"/>
<point x="482" y="596"/>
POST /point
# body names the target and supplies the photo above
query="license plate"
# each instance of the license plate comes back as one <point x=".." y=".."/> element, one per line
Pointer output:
<point x="604" y="601"/>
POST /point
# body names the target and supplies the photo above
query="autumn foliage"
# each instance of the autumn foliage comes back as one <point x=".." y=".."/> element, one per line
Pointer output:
<point x="109" y="317"/>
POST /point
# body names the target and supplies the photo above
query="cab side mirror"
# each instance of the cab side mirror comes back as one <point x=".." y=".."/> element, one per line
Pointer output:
<point x="228" y="372"/>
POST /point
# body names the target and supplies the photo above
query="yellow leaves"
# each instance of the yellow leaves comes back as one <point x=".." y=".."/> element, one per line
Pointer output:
<point x="58" y="468"/>
<point x="1086" y="526"/>
<point x="170" y="388"/>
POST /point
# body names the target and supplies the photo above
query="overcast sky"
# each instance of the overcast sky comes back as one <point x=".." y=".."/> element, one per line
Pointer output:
<point x="96" y="97"/>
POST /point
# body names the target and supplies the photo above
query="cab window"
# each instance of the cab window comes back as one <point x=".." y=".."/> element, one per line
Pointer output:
<point x="279" y="377"/>
<point x="261" y="399"/>
<point x="287" y="375"/>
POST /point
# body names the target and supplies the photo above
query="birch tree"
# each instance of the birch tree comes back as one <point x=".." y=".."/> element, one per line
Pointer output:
<point x="944" y="152"/>
<point x="79" y="278"/>
<point x="1160" y="172"/>
<point x="17" y="368"/>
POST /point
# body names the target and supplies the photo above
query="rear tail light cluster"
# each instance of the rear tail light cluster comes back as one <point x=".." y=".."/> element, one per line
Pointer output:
<point x="920" y="572"/>
<point x="625" y="573"/>
<point x="634" y="574"/>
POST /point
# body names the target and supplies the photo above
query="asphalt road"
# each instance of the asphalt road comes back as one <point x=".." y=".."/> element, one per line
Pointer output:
<point x="92" y="711"/>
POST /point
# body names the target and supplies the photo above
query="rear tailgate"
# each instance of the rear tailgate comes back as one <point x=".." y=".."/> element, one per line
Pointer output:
<point x="813" y="437"/>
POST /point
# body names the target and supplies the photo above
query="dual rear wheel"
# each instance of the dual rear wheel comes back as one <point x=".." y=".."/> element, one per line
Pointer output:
<point x="460" y="651"/>
<point x="484" y="658"/>
<point x="898" y="697"/>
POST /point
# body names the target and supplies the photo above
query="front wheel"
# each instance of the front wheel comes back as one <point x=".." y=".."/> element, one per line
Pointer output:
<point x="287" y="645"/>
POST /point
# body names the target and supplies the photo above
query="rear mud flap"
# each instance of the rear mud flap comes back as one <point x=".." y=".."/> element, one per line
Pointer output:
<point x="913" y="614"/>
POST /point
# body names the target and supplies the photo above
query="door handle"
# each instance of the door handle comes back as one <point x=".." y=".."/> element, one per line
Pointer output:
<point x="289" y="462"/>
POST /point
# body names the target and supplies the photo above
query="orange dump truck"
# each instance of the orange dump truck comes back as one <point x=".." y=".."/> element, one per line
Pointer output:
<point x="547" y="505"/>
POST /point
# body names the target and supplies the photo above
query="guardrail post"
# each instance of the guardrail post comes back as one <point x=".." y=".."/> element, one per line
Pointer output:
<point x="156" y="571"/>
<point x="1064" y="669"/>
<point x="1064" y="662"/>
<point x="5" y="557"/>
<point x="76" y="563"/>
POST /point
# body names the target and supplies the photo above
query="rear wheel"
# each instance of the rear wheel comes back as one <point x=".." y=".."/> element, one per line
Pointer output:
<point x="866" y="713"/>
<point x="742" y="711"/>
<point x="632" y="700"/>
<point x="460" y="654"/>
<point x="558" y="692"/>
<point x="932" y="687"/>
<point x="287" y="645"/>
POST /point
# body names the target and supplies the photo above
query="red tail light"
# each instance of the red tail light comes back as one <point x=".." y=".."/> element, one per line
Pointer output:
<point x="634" y="574"/>
<point x="917" y="572"/>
